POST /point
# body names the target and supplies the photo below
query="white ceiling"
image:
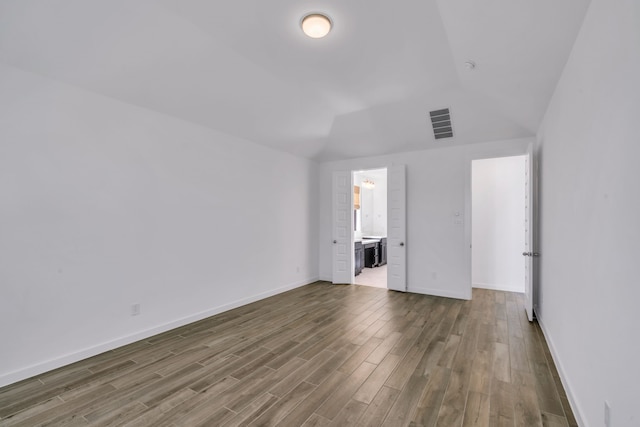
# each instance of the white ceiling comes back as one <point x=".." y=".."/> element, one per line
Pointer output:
<point x="246" y="69"/>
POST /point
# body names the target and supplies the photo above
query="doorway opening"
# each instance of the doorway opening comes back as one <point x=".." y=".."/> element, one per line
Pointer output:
<point x="498" y="223"/>
<point x="370" y="227"/>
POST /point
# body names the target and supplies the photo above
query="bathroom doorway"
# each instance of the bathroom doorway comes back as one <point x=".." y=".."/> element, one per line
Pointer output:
<point x="370" y="227"/>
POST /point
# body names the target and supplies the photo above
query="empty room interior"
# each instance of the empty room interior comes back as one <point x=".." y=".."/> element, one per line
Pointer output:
<point x="193" y="193"/>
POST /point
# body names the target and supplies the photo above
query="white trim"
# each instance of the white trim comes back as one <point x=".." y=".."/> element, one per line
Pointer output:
<point x="46" y="366"/>
<point x="447" y="293"/>
<point x="575" y="407"/>
<point x="336" y="276"/>
<point x="503" y="151"/>
<point x="499" y="287"/>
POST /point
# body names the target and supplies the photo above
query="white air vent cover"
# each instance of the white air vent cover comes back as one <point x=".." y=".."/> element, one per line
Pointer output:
<point x="441" y="122"/>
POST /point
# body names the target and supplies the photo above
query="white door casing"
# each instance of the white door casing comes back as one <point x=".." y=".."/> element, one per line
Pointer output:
<point x="342" y="228"/>
<point x="397" y="228"/>
<point x="529" y="231"/>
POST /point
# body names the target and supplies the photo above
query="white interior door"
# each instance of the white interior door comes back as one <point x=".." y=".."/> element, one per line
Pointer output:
<point x="530" y="253"/>
<point x="397" y="228"/>
<point x="342" y="227"/>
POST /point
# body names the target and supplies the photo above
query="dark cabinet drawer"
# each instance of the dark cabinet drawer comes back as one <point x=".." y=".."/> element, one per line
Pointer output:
<point x="371" y="255"/>
<point x="358" y="257"/>
<point x="383" y="252"/>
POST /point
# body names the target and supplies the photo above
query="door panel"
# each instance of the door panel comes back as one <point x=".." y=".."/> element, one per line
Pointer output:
<point x="530" y="253"/>
<point x="397" y="229"/>
<point x="342" y="226"/>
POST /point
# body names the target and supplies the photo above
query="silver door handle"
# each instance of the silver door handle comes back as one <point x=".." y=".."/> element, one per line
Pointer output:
<point x="535" y="254"/>
<point x="526" y="253"/>
<point x="335" y="241"/>
<point x="401" y="243"/>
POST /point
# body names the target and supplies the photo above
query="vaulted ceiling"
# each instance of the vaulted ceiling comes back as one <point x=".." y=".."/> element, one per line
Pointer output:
<point x="245" y="68"/>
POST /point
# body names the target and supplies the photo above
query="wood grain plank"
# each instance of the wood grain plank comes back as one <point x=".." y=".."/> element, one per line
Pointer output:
<point x="32" y="412"/>
<point x="476" y="413"/>
<point x="450" y="349"/>
<point x="526" y="410"/>
<point x="316" y="420"/>
<point x="283" y="406"/>
<point x="429" y="405"/>
<point x="377" y="411"/>
<point x="316" y="355"/>
<point x="370" y="388"/>
<point x="330" y="408"/>
<point x="501" y="402"/>
<point x="481" y="372"/>
<point x="360" y="355"/>
<point x="548" y="398"/>
<point x="551" y="420"/>
<point x="501" y="363"/>
<point x="153" y="415"/>
<point x="315" y="399"/>
<point x="350" y="414"/>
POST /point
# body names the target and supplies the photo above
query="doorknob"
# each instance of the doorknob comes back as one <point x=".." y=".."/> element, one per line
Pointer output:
<point x="530" y="254"/>
<point x="401" y="243"/>
<point x="335" y="241"/>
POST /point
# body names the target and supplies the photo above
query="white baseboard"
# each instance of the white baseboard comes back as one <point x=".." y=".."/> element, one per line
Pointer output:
<point x="575" y="407"/>
<point x="499" y="287"/>
<point x="76" y="356"/>
<point x="447" y="293"/>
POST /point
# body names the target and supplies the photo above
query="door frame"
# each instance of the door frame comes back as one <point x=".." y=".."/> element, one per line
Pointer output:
<point x="342" y="240"/>
<point x="364" y="170"/>
<point x="352" y="171"/>
<point x="490" y="154"/>
<point x="397" y="228"/>
<point x="517" y="179"/>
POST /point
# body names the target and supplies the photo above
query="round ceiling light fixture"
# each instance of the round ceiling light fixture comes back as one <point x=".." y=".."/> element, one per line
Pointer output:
<point x="316" y="25"/>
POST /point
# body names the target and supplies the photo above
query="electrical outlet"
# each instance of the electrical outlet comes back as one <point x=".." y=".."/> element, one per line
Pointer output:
<point x="135" y="309"/>
<point x="607" y="414"/>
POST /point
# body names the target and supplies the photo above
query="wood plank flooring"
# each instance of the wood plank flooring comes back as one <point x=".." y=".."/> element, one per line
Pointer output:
<point x="320" y="355"/>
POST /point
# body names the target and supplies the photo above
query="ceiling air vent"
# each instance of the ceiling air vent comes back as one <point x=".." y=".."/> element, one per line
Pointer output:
<point x="441" y="122"/>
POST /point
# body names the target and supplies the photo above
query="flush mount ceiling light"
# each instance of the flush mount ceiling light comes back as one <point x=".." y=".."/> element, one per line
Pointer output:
<point x="316" y="25"/>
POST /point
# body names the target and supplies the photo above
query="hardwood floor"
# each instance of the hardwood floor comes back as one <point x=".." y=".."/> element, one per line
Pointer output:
<point x="319" y="355"/>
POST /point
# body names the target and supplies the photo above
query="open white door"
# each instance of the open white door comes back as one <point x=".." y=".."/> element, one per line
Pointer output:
<point x="342" y="227"/>
<point x="397" y="230"/>
<point x="530" y="226"/>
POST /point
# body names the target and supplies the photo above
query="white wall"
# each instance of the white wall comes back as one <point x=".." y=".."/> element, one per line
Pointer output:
<point x="380" y="204"/>
<point x="590" y="206"/>
<point x="374" y="202"/>
<point x="438" y="186"/>
<point x="357" y="234"/>
<point x="498" y="215"/>
<point x="367" y="210"/>
<point x="103" y="205"/>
